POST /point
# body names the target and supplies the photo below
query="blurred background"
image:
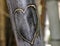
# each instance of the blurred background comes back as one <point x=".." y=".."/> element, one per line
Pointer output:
<point x="50" y="23"/>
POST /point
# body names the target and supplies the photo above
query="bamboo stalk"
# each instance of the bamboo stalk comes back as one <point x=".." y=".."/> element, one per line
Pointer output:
<point x="18" y="31"/>
<point x="2" y="22"/>
<point x="52" y="11"/>
<point x="2" y="30"/>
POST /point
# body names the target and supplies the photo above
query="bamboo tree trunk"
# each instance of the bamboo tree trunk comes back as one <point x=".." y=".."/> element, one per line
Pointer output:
<point x="25" y="12"/>
<point x="2" y="22"/>
<point x="2" y="31"/>
<point x="52" y="11"/>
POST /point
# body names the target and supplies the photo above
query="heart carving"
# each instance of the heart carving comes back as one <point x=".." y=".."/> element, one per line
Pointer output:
<point x="26" y="23"/>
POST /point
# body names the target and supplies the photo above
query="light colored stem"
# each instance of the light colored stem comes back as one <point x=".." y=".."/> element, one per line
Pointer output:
<point x="52" y="11"/>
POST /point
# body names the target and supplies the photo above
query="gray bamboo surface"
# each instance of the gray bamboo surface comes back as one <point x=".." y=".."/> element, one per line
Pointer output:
<point x="13" y="4"/>
<point x="3" y="15"/>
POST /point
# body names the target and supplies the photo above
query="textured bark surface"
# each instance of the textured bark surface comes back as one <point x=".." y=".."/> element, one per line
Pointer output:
<point x="25" y="22"/>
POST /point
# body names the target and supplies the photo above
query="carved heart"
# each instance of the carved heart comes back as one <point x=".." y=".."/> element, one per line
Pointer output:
<point x="26" y="22"/>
